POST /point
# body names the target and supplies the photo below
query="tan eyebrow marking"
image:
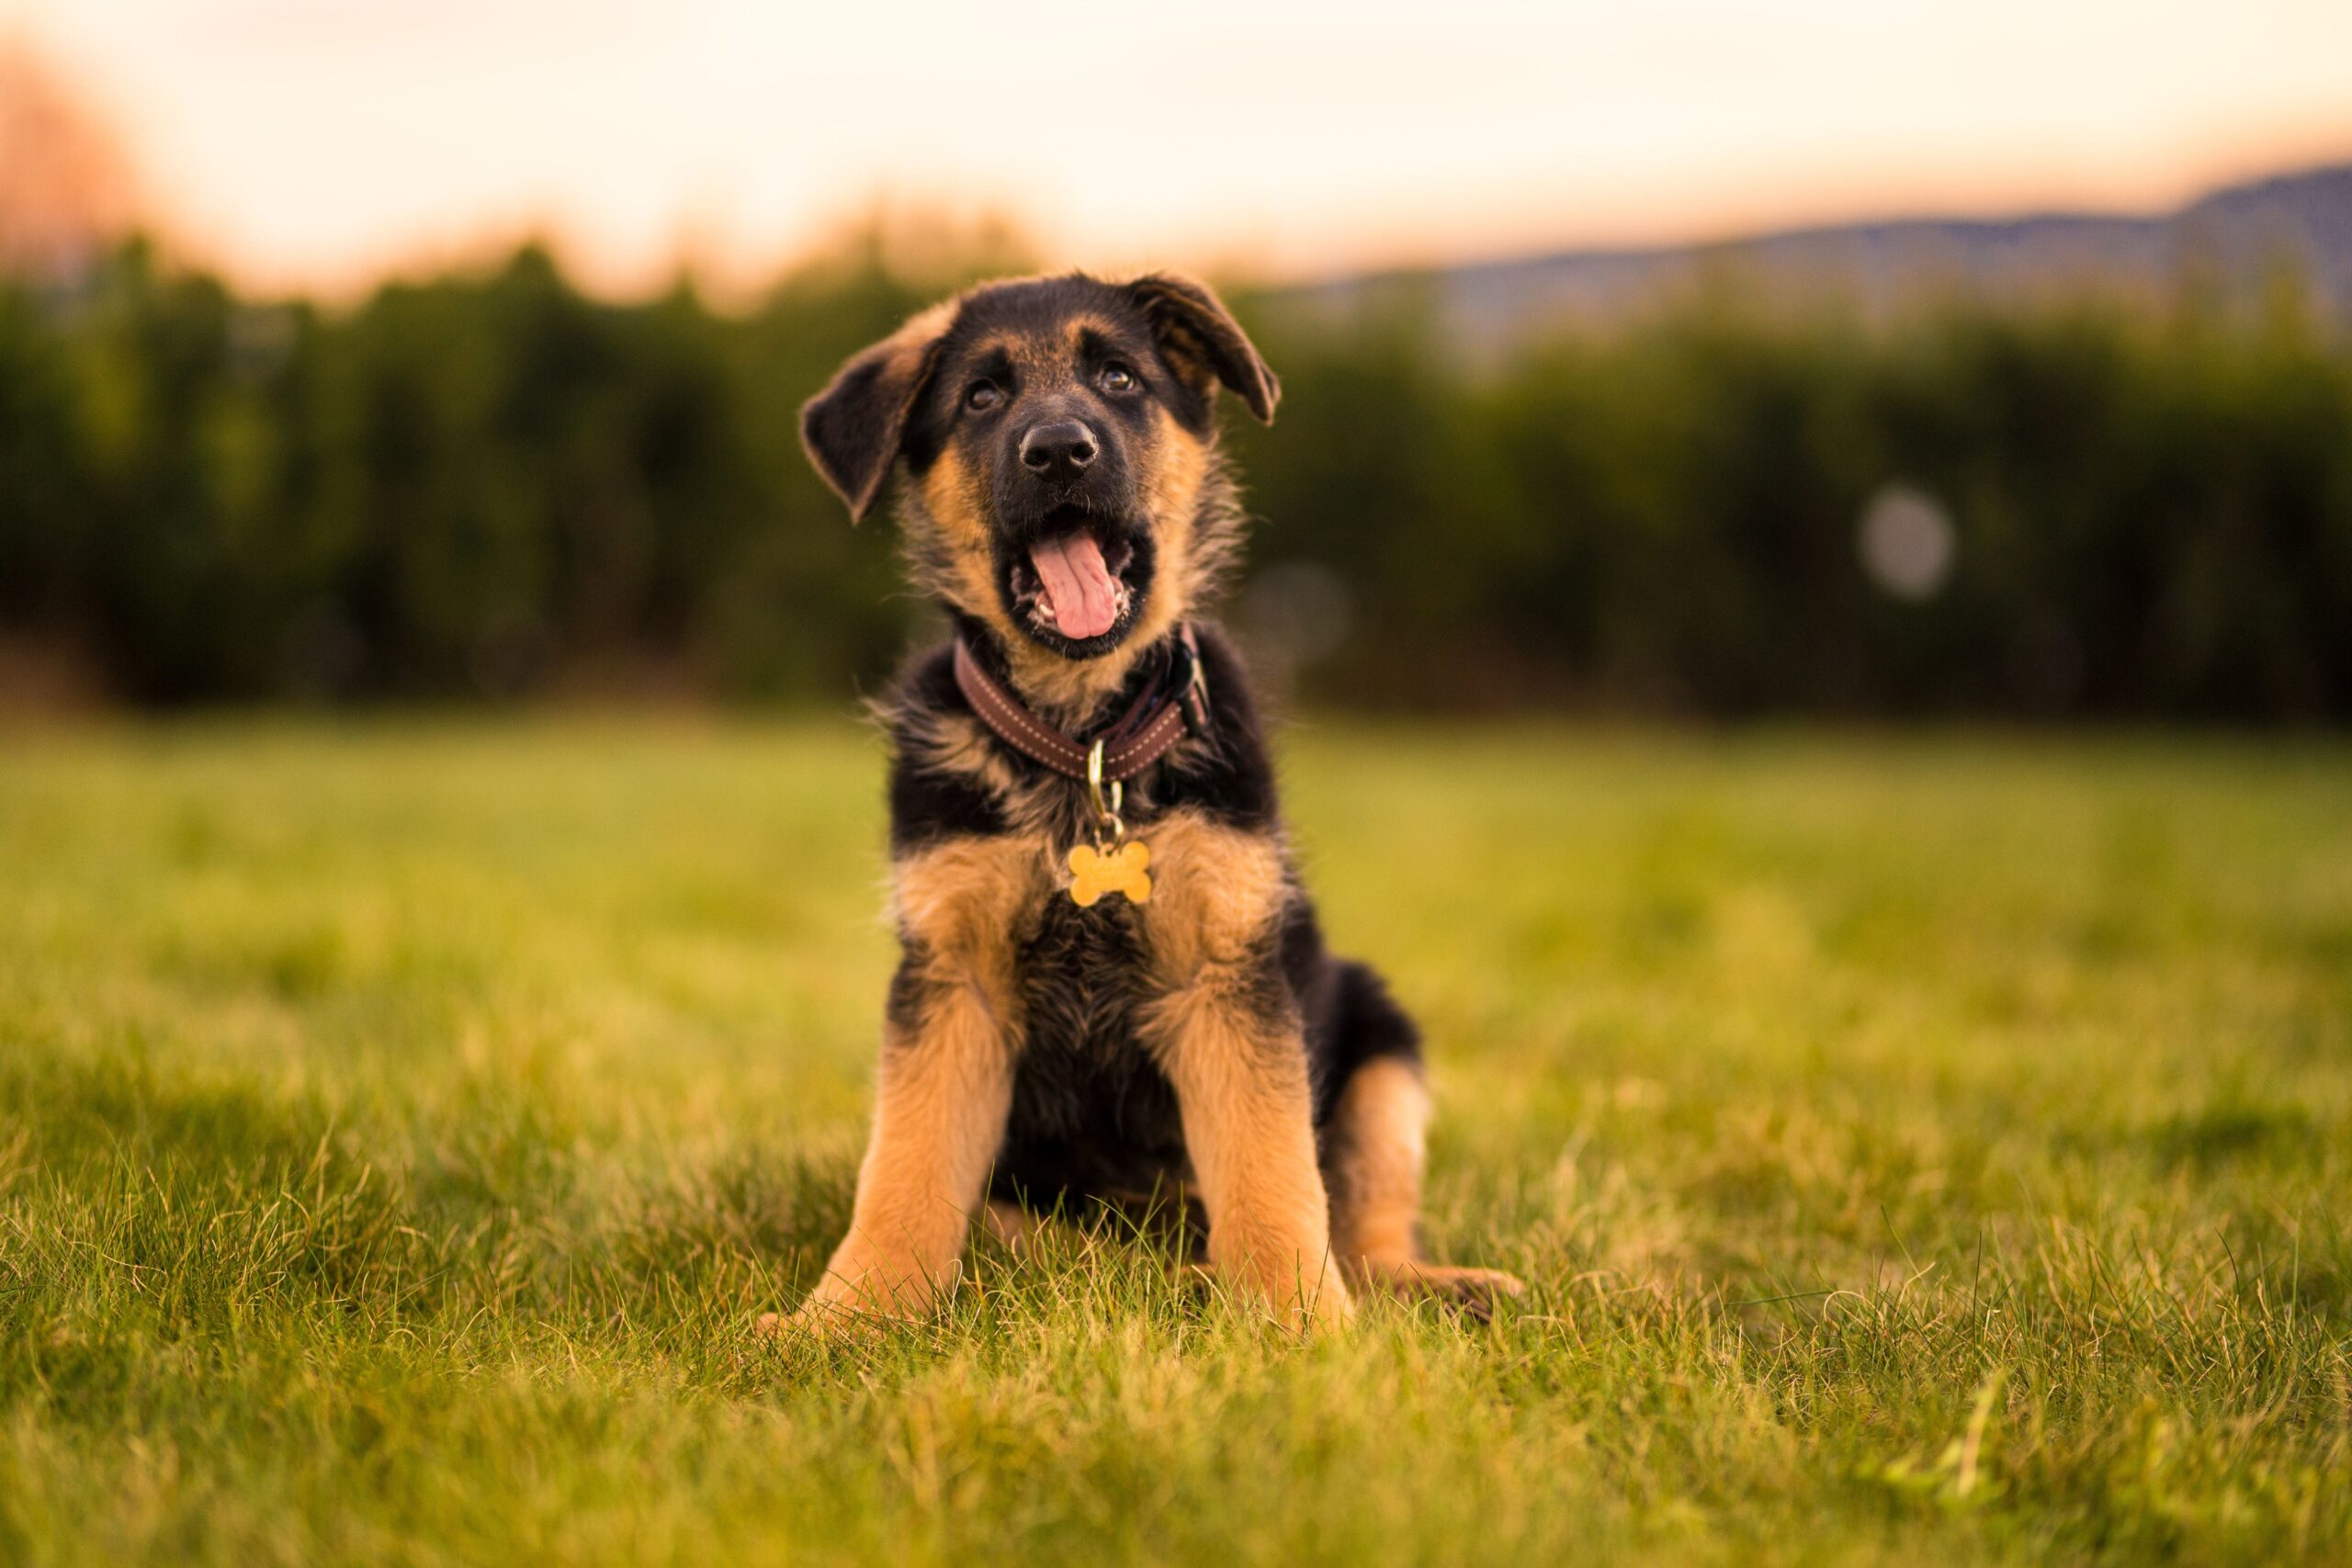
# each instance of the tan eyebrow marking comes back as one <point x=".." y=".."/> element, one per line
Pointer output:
<point x="1026" y="351"/>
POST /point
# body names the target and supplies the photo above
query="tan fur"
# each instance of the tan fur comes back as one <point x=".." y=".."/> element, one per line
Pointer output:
<point x="1381" y="1130"/>
<point x="1249" y="1129"/>
<point x="1172" y="488"/>
<point x="1173" y="468"/>
<point x="961" y="903"/>
<point x="1070" y="691"/>
<point x="1220" y="892"/>
<point x="946" y="534"/>
<point x="1036" y="360"/>
<point x="1239" y="1076"/>
<point x="1380" y="1135"/>
<point x="1228" y="1040"/>
<point x="945" y="1085"/>
<point x="948" y="537"/>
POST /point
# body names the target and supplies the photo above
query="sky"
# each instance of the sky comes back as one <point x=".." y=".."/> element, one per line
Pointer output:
<point x="320" y="144"/>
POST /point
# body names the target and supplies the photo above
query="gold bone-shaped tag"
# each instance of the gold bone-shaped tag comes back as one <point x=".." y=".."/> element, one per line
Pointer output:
<point x="1094" y="873"/>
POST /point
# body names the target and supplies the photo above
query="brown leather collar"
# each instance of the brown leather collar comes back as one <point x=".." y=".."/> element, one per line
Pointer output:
<point x="1176" y="702"/>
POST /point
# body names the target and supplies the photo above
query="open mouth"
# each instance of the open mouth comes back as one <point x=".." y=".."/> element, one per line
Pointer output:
<point x="1071" y="586"/>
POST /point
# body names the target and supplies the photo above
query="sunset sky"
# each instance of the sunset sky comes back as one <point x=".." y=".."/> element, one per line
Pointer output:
<point x="319" y="143"/>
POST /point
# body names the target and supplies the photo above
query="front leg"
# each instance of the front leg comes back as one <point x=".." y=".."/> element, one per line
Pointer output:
<point x="945" y="1084"/>
<point x="1227" y="1033"/>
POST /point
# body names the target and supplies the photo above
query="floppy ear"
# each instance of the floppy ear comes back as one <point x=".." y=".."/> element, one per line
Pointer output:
<point x="1198" y="333"/>
<point x="853" y="429"/>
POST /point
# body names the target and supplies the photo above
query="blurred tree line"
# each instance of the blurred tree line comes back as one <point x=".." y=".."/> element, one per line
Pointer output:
<point x="493" y="486"/>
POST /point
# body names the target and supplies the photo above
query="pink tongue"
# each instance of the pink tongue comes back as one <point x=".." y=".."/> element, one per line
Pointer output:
<point x="1077" y="585"/>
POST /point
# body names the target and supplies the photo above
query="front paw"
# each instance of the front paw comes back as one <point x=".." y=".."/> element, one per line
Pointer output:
<point x="864" y="1289"/>
<point x="1321" y="1307"/>
<point x="830" y="1319"/>
<point x="1306" y="1293"/>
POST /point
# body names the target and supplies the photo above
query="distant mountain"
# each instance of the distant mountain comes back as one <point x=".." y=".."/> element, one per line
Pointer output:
<point x="2239" y="236"/>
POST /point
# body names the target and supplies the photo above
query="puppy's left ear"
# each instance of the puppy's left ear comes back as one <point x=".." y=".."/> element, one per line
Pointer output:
<point x="853" y="429"/>
<point x="1196" y="332"/>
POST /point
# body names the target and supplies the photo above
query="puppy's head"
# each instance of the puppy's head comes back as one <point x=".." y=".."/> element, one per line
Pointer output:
<point x="1059" y="438"/>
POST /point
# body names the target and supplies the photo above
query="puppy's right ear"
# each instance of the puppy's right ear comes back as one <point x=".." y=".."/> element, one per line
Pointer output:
<point x="853" y="429"/>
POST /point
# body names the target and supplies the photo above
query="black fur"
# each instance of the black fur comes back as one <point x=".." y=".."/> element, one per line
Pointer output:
<point x="1190" y="322"/>
<point x="956" y="395"/>
<point x="854" y="430"/>
<point x="1092" y="1117"/>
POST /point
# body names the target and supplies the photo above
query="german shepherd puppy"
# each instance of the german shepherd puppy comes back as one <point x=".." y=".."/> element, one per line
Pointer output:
<point x="1052" y="1039"/>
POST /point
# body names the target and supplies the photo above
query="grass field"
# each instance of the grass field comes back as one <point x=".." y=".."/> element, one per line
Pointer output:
<point x="1932" y="1148"/>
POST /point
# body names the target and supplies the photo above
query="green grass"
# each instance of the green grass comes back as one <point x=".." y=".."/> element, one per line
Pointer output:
<point x="1933" y="1148"/>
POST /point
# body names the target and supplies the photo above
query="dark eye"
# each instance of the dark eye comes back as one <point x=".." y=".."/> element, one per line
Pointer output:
<point x="982" y="396"/>
<point x="1117" y="378"/>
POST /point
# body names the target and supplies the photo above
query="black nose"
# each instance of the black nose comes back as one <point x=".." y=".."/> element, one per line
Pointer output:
<point x="1060" y="450"/>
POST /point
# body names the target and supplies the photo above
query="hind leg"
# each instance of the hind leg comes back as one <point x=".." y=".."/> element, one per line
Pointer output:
<point x="1377" y="1143"/>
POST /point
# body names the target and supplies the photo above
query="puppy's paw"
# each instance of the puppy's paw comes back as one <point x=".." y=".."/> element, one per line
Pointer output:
<point x="828" y="1321"/>
<point x="1473" y="1293"/>
<point x="1308" y="1304"/>
<point x="845" y="1306"/>
<point x="798" y="1325"/>
<point x="1310" y="1307"/>
<point x="820" y="1320"/>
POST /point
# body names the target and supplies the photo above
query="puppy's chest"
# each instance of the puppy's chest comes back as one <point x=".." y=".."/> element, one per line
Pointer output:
<point x="1085" y="938"/>
<point x="1080" y="974"/>
<point x="1084" y="1078"/>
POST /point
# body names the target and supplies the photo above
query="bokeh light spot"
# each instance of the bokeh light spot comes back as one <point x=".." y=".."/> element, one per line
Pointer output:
<point x="1907" y="542"/>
